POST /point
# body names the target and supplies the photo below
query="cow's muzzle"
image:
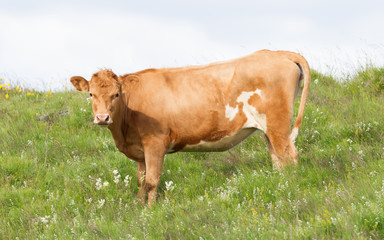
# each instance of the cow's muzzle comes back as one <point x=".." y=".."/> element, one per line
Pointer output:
<point x="102" y="119"/>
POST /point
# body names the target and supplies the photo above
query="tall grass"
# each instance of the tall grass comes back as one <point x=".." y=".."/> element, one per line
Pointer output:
<point x="62" y="178"/>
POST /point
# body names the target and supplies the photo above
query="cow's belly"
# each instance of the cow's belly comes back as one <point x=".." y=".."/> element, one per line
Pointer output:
<point x="223" y="144"/>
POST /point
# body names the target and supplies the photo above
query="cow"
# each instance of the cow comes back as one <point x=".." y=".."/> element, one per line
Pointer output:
<point x="213" y="107"/>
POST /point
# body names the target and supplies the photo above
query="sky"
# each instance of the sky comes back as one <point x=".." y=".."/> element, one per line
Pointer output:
<point x="44" y="43"/>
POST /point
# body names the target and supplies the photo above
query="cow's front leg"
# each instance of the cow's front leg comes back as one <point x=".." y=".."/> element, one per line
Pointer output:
<point x="140" y="181"/>
<point x="154" y="151"/>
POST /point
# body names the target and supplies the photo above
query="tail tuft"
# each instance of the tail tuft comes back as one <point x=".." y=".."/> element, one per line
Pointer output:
<point x="294" y="134"/>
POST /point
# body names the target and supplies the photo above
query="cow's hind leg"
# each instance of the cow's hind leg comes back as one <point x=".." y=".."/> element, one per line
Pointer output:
<point x="283" y="151"/>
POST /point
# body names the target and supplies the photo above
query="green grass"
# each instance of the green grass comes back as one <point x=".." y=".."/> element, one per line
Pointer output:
<point x="54" y="164"/>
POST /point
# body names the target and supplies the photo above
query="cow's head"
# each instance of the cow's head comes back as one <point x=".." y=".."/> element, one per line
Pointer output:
<point x="104" y="91"/>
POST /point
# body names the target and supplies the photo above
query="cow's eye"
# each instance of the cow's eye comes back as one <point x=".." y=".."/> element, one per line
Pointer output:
<point x="90" y="94"/>
<point x="116" y="95"/>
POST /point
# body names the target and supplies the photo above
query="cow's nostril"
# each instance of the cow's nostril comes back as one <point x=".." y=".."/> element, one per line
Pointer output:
<point x="107" y="118"/>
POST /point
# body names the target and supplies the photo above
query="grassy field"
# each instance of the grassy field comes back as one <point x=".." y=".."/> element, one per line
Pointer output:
<point x="63" y="178"/>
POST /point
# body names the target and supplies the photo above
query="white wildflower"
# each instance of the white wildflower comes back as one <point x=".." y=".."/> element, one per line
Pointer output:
<point x="98" y="184"/>
<point x="45" y="219"/>
<point x="127" y="180"/>
<point x="316" y="81"/>
<point x="100" y="203"/>
<point x="169" y="186"/>
<point x="117" y="179"/>
<point x="117" y="176"/>
<point x="105" y="184"/>
<point x="129" y="236"/>
<point x="338" y="148"/>
<point x="361" y="153"/>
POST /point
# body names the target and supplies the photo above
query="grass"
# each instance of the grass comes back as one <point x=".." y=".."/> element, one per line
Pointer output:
<point x="62" y="178"/>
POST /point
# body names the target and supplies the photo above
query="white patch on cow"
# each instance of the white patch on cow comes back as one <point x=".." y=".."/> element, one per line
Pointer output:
<point x="294" y="134"/>
<point x="244" y="96"/>
<point x="231" y="112"/>
<point x="254" y="118"/>
<point x="221" y="145"/>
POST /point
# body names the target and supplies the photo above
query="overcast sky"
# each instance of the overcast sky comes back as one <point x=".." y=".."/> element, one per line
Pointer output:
<point x="44" y="43"/>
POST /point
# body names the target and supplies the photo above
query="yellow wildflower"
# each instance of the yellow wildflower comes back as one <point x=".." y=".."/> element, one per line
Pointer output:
<point x="17" y="88"/>
<point x="29" y="94"/>
<point x="19" y="91"/>
<point x="6" y="96"/>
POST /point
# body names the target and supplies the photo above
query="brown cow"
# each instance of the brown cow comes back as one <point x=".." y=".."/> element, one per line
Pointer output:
<point x="206" y="108"/>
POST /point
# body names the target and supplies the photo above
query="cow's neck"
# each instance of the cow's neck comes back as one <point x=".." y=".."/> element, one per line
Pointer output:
<point x="125" y="134"/>
<point x="121" y="123"/>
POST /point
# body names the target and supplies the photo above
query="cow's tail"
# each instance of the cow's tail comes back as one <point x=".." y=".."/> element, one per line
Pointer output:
<point x="304" y="68"/>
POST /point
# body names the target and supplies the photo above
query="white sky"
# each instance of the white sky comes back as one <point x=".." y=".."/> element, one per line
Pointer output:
<point x="44" y="43"/>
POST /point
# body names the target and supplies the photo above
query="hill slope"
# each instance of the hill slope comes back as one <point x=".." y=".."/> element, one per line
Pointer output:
<point x="61" y="177"/>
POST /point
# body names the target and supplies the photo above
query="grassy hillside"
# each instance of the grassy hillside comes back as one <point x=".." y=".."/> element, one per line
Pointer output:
<point x="62" y="178"/>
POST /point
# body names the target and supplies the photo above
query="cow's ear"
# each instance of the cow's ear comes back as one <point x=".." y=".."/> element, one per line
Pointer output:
<point x="80" y="83"/>
<point x="128" y="82"/>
